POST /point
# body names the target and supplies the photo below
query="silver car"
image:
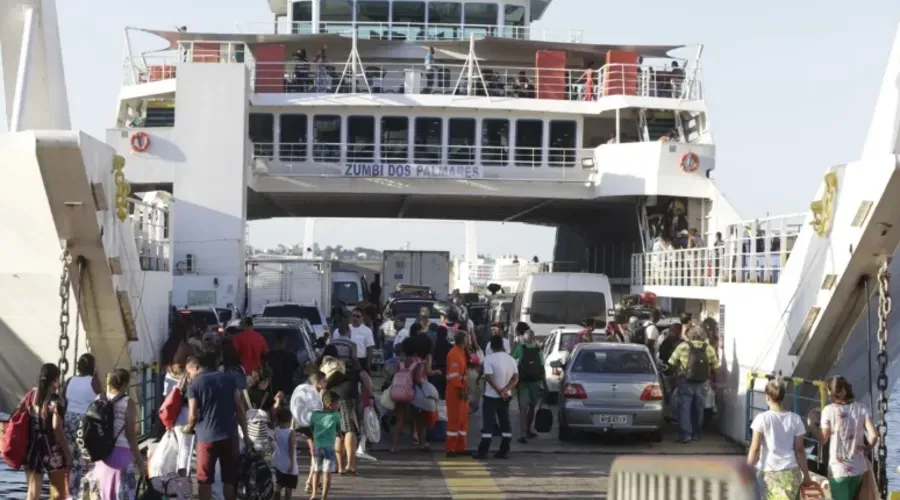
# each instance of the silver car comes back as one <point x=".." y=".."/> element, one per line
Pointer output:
<point x="610" y="387"/>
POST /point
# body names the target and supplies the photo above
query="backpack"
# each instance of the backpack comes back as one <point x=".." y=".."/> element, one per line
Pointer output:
<point x="530" y="368"/>
<point x="17" y="433"/>
<point x="96" y="435"/>
<point x="255" y="482"/>
<point x="403" y="388"/>
<point x="697" y="369"/>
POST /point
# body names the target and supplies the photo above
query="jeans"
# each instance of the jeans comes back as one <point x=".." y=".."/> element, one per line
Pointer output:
<point x="691" y="404"/>
<point x="388" y="348"/>
<point x="494" y="409"/>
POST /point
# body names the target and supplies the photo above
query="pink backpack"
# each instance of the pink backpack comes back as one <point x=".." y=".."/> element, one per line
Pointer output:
<point x="403" y="387"/>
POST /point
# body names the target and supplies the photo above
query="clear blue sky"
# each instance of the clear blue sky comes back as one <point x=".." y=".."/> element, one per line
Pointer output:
<point x="790" y="85"/>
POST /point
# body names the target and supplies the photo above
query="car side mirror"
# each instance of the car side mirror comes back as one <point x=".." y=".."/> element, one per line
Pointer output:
<point x="556" y="364"/>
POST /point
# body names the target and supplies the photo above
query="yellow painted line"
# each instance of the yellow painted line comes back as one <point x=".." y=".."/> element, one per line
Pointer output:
<point x="468" y="479"/>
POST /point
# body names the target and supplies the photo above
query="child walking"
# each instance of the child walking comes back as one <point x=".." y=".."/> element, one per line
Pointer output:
<point x="325" y="424"/>
<point x="285" y="458"/>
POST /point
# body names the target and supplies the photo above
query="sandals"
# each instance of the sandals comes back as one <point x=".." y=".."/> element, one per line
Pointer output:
<point x="308" y="488"/>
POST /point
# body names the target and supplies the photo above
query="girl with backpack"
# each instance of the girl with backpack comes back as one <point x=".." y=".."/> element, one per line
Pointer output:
<point x="47" y="452"/>
<point x="78" y="393"/>
<point x="115" y="476"/>
<point x="411" y="372"/>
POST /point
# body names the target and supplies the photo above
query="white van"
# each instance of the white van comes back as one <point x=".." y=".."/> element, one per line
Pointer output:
<point x="548" y="301"/>
<point x="348" y="288"/>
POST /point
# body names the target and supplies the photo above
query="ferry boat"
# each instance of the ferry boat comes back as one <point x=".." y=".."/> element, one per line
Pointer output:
<point x="435" y="110"/>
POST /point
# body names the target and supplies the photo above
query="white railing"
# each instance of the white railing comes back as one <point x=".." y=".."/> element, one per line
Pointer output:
<point x="636" y="477"/>
<point x="490" y="273"/>
<point x="707" y="266"/>
<point x="411" y="31"/>
<point x="527" y="82"/>
<point x="151" y="234"/>
<point x="162" y="65"/>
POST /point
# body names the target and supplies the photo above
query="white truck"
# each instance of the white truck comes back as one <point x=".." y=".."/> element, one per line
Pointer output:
<point x="288" y="281"/>
<point x="422" y="268"/>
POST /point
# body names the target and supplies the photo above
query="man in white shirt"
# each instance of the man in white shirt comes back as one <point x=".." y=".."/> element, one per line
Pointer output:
<point x="496" y="332"/>
<point x="362" y="336"/>
<point x="651" y="332"/>
<point x="501" y="374"/>
<point x="402" y="331"/>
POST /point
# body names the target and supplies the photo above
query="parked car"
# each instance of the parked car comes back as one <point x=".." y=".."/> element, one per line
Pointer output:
<point x="408" y="309"/>
<point x="556" y="348"/>
<point x="310" y="312"/>
<point x="300" y="337"/>
<point x="207" y="316"/>
<point x="610" y="387"/>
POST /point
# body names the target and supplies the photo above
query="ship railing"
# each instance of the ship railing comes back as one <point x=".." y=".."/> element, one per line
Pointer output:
<point x="706" y="266"/>
<point x="294" y="158"/>
<point x="436" y="32"/>
<point x="146" y="391"/>
<point x="506" y="272"/>
<point x="160" y="66"/>
<point x="151" y="234"/>
<point x="523" y="82"/>
<point x="638" y="477"/>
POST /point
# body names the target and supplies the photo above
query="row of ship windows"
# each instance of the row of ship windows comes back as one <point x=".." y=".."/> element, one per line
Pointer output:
<point x="425" y="136"/>
<point x="412" y="13"/>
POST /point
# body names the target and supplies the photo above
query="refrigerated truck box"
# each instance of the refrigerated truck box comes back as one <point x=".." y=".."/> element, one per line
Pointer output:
<point x="423" y="268"/>
<point x="304" y="282"/>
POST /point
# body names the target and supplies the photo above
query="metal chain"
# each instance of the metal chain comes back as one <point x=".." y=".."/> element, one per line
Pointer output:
<point x="64" y="286"/>
<point x="884" y="311"/>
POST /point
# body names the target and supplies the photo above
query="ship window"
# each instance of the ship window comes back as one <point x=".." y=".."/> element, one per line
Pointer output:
<point x="335" y="16"/>
<point x="292" y="137"/>
<point x="327" y="138"/>
<point x="444" y="20"/>
<point x="480" y="19"/>
<point x="494" y="141"/>
<point x="301" y="17"/>
<point x="461" y="141"/>
<point x="408" y="21"/>
<point x="514" y="21"/>
<point x="372" y="18"/>
<point x="428" y="140"/>
<point x="562" y="143"/>
<point x="262" y="133"/>
<point x="529" y="142"/>
<point x="394" y="139"/>
<point x="361" y="139"/>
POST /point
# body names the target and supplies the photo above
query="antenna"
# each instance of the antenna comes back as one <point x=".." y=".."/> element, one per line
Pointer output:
<point x="354" y="63"/>
<point x="469" y="68"/>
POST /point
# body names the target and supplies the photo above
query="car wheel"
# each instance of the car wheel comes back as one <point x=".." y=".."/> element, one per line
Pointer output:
<point x="656" y="436"/>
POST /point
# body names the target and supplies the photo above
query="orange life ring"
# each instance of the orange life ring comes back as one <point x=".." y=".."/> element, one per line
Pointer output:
<point x="140" y="142"/>
<point x="690" y="162"/>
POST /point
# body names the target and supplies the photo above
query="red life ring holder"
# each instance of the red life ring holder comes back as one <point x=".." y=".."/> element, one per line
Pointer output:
<point x="140" y="142"/>
<point x="690" y="162"/>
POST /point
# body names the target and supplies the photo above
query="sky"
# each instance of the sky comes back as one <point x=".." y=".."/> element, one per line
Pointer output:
<point x="790" y="86"/>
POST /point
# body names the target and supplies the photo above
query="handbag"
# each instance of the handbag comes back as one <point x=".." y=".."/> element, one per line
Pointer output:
<point x="543" y="418"/>
<point x="171" y="406"/>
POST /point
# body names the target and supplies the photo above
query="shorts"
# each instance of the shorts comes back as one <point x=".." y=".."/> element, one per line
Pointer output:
<point x="324" y="460"/>
<point x="530" y="393"/>
<point x="845" y="487"/>
<point x="305" y="432"/>
<point x="288" y="481"/>
<point x="225" y="452"/>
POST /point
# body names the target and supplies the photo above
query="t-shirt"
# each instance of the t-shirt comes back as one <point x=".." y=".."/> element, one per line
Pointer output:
<point x="488" y="351"/>
<point x="284" y="366"/>
<point x="214" y="393"/>
<point x="778" y="429"/>
<point x="651" y="331"/>
<point x="250" y="346"/>
<point x="401" y="336"/>
<point x="847" y="444"/>
<point x="362" y="336"/>
<point x="324" y="426"/>
<point x="501" y="367"/>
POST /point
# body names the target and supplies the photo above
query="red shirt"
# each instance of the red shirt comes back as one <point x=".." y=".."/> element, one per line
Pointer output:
<point x="250" y="346"/>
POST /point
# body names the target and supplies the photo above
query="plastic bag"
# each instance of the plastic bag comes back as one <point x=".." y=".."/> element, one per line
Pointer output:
<point x="442" y="410"/>
<point x="386" y="402"/>
<point x="426" y="397"/>
<point x="164" y="459"/>
<point x="474" y="383"/>
<point x="371" y="425"/>
<point x="304" y="400"/>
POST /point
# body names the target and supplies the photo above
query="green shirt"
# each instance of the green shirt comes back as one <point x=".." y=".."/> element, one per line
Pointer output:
<point x="517" y="352"/>
<point x="325" y="425"/>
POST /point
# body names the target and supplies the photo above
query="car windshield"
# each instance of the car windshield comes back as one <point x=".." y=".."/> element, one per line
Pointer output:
<point x="308" y="313"/>
<point x="568" y="307"/>
<point x="410" y="309"/>
<point x="613" y="361"/>
<point x="224" y="315"/>
<point x="564" y="341"/>
<point x="476" y="314"/>
<point x="203" y="316"/>
<point x="345" y="292"/>
<point x="295" y="337"/>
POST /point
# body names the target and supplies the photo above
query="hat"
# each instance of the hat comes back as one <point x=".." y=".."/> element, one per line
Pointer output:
<point x="424" y="312"/>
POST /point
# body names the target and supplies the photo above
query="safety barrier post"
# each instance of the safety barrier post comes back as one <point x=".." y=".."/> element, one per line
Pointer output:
<point x="143" y="392"/>
<point x="639" y="477"/>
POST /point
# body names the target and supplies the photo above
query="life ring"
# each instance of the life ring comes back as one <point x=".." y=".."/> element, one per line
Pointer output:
<point x="140" y="142"/>
<point x="690" y="162"/>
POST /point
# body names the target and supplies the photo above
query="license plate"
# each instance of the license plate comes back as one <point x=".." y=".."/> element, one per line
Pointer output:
<point x="610" y="419"/>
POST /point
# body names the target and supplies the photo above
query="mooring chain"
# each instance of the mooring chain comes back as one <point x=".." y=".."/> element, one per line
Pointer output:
<point x="884" y="311"/>
<point x="64" y="286"/>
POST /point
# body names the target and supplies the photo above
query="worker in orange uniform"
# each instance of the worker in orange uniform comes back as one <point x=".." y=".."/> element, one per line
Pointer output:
<point x="457" y="397"/>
